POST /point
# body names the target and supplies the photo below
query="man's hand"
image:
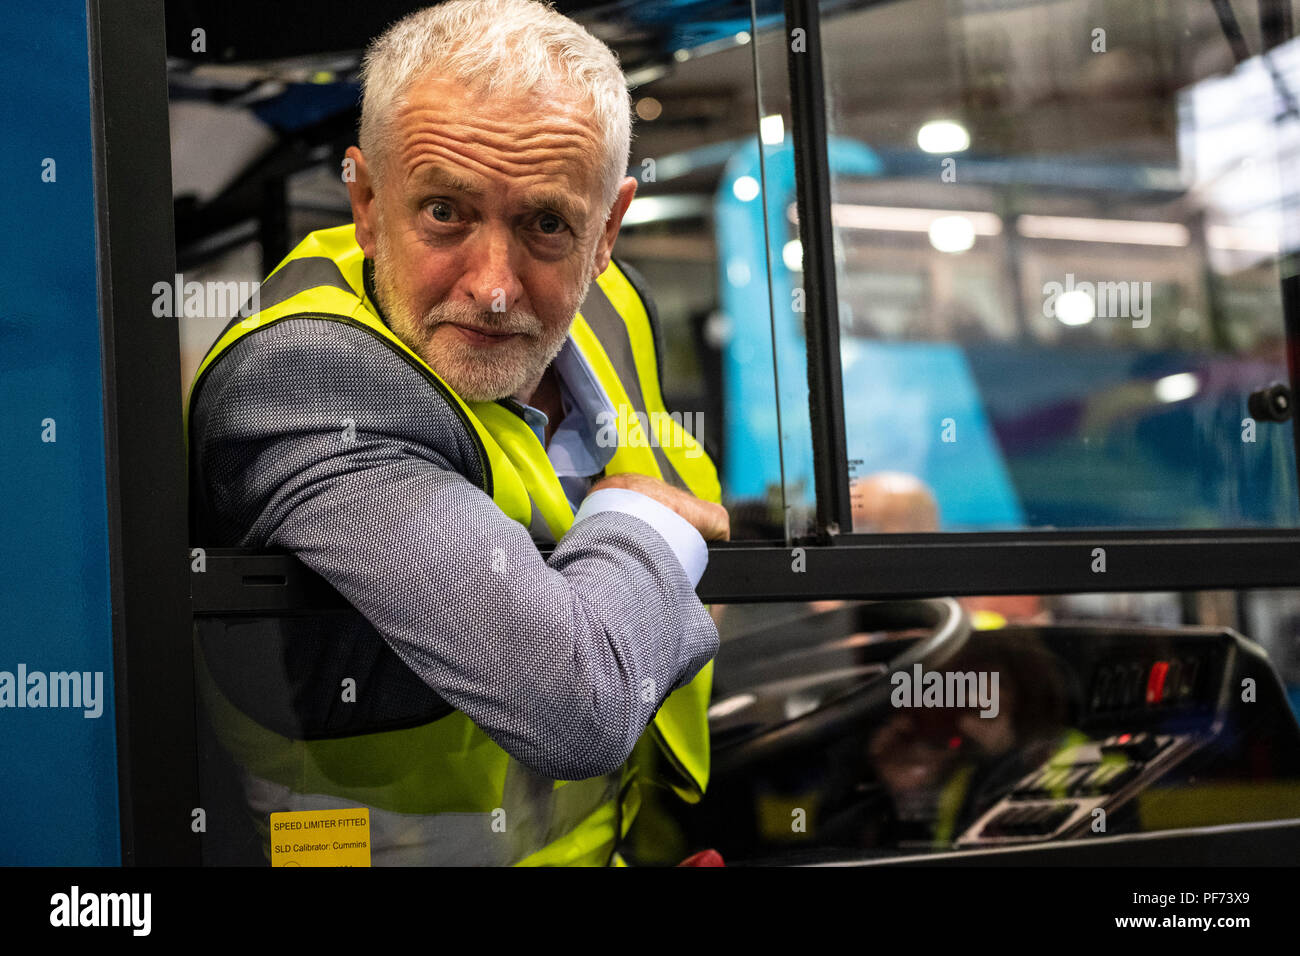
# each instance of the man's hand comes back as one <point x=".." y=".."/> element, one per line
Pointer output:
<point x="712" y="521"/>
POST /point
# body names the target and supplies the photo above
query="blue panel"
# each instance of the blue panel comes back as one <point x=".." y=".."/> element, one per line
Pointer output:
<point x="58" y="766"/>
<point x="897" y="399"/>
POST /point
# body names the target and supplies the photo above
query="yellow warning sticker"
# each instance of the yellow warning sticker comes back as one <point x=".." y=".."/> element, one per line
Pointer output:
<point x="321" y="837"/>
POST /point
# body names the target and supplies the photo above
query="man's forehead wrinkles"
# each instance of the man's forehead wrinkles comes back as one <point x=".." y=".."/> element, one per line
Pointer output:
<point x="432" y="160"/>
<point x="419" y="117"/>
<point x="435" y="163"/>
<point x="519" y="139"/>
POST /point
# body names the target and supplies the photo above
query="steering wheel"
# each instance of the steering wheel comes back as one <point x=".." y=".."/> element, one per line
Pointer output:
<point x="950" y="629"/>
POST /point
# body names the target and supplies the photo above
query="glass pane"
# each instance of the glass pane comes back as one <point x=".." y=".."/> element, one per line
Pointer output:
<point x="693" y="232"/>
<point x="696" y="232"/>
<point x="1114" y="702"/>
<point x="764" y="373"/>
<point x="1057" y="232"/>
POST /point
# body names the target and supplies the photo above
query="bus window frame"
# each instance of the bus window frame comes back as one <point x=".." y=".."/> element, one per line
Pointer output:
<point x="148" y="521"/>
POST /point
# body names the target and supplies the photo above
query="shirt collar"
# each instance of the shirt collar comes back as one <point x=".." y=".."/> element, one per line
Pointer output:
<point x="574" y="449"/>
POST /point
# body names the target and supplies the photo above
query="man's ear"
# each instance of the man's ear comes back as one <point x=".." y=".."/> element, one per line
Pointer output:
<point x="361" y="194"/>
<point x="605" y="247"/>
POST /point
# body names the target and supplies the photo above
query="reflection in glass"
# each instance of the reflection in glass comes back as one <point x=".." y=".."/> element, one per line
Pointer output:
<point x="1056" y="239"/>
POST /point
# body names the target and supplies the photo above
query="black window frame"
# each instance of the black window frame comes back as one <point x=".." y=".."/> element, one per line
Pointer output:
<point x="148" y="527"/>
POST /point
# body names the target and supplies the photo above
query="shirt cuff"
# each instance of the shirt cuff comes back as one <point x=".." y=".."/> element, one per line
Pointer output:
<point x="687" y="543"/>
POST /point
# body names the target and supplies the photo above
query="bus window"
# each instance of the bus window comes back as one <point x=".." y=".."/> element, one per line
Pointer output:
<point x="1056" y="241"/>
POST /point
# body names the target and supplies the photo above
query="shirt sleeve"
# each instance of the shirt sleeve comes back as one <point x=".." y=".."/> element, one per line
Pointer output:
<point x="681" y="536"/>
<point x="315" y="438"/>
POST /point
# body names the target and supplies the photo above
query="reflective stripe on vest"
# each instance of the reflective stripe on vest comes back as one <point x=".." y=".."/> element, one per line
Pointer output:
<point x="449" y="770"/>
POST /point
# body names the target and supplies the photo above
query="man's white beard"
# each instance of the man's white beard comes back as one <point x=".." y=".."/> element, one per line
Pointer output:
<point x="475" y="374"/>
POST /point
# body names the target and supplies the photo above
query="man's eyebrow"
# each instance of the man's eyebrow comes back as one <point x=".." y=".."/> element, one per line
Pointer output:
<point x="432" y="175"/>
<point x="558" y="202"/>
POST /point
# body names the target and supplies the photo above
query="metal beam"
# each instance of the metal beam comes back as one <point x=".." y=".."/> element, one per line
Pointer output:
<point x="863" y="567"/>
<point x="153" y="665"/>
<point x="821" y="301"/>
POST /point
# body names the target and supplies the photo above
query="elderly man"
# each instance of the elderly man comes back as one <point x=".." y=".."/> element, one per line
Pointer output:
<point x="418" y="403"/>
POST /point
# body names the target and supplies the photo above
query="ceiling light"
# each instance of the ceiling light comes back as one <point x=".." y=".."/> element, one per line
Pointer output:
<point x="943" y="136"/>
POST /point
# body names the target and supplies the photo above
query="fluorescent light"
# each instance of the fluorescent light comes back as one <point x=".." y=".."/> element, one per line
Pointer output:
<point x="1239" y="239"/>
<point x="952" y="234"/>
<point x="771" y="129"/>
<point x="1122" y="231"/>
<point x="943" y="136"/>
<point x="657" y="208"/>
<point x="901" y="219"/>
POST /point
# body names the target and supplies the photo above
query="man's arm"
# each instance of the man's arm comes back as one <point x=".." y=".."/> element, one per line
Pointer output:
<point x="312" y="436"/>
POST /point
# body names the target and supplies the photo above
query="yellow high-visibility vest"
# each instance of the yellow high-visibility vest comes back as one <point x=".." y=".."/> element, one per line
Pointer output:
<point x="435" y="790"/>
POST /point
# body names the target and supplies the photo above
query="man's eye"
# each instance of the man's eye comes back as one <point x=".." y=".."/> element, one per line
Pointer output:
<point x="441" y="211"/>
<point x="551" y="225"/>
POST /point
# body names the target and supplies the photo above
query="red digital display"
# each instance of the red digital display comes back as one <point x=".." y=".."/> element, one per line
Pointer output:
<point x="1156" y="682"/>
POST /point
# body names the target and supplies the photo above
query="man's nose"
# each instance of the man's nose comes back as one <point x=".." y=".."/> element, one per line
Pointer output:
<point x="491" y="273"/>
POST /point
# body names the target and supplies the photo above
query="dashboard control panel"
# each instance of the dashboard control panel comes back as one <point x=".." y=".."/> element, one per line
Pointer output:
<point x="1066" y="792"/>
<point x="1144" y="708"/>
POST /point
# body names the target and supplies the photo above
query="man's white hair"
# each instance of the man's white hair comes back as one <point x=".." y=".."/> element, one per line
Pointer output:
<point x="497" y="46"/>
